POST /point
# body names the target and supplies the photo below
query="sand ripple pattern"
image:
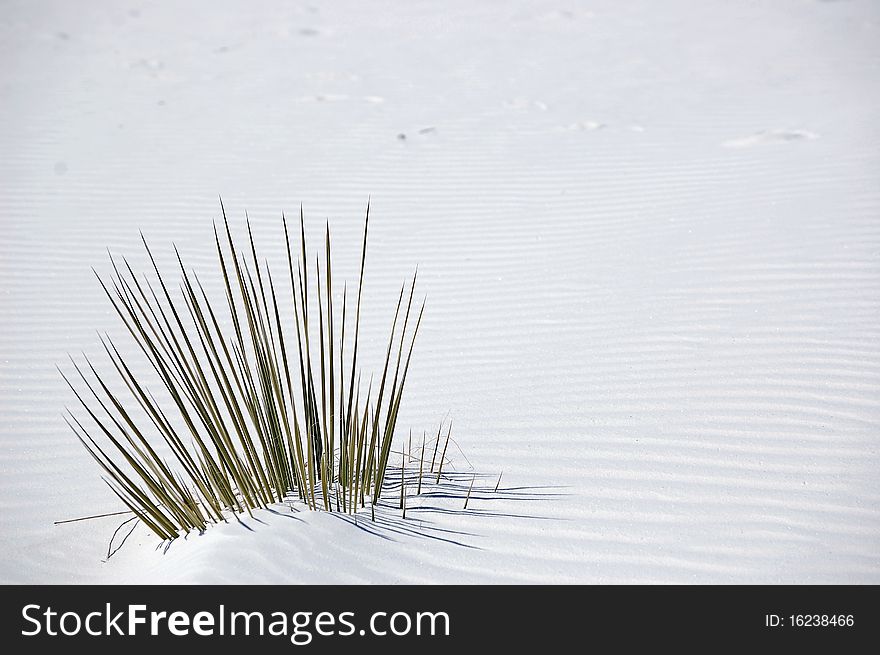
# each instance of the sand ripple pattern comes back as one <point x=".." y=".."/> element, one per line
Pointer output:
<point x="664" y="325"/>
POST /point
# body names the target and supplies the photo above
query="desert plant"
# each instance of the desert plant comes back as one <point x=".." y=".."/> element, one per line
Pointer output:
<point x="265" y="402"/>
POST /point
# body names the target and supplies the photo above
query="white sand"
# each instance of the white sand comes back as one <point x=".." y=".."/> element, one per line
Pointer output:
<point x="649" y="238"/>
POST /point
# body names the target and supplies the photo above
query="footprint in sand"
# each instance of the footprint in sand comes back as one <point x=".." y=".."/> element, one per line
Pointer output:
<point x="584" y="126"/>
<point x="292" y="31"/>
<point x="421" y="132"/>
<point x="525" y="104"/>
<point x="156" y="69"/>
<point x="324" y="97"/>
<point x="766" y="137"/>
<point x="565" y="15"/>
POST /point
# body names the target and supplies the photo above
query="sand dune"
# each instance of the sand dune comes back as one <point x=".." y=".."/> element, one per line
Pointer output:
<point x="649" y="239"/>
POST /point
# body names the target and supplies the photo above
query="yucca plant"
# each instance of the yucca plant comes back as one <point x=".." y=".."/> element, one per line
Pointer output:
<point x="260" y="401"/>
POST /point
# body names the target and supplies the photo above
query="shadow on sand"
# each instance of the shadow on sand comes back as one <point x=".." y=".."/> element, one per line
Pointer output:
<point x="452" y="493"/>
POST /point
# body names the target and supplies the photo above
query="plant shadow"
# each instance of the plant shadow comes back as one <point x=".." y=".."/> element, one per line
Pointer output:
<point x="458" y="494"/>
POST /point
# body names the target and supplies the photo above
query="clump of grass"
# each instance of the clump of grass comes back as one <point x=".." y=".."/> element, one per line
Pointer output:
<point x="263" y="396"/>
